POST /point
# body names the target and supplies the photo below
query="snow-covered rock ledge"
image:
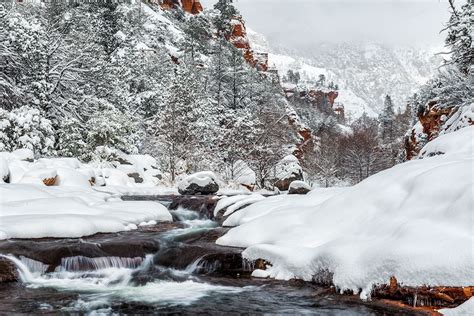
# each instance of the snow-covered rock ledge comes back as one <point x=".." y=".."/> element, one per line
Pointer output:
<point x="413" y="221"/>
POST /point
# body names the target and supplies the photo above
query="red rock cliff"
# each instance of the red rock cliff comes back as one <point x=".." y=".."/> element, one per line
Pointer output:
<point x="189" y="6"/>
<point x="238" y="37"/>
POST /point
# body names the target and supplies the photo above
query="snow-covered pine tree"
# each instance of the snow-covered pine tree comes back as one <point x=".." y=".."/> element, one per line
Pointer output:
<point x="26" y="127"/>
<point x="227" y="11"/>
<point x="109" y="127"/>
<point x="459" y="40"/>
<point x="387" y="118"/>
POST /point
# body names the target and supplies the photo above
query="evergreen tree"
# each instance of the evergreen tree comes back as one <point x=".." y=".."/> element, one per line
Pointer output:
<point x="386" y="119"/>
<point x="227" y="11"/>
<point x="459" y="39"/>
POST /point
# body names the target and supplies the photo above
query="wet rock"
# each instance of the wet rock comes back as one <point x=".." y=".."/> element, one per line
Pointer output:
<point x="136" y="177"/>
<point x="8" y="271"/>
<point x="299" y="187"/>
<point x="424" y="295"/>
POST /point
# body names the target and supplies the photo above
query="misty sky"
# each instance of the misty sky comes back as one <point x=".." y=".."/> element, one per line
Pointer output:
<point x="301" y="23"/>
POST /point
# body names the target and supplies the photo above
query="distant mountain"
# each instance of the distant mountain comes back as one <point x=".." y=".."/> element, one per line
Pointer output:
<point x="365" y="73"/>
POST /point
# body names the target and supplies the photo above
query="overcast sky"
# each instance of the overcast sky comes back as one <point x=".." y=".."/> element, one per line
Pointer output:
<point x="297" y="23"/>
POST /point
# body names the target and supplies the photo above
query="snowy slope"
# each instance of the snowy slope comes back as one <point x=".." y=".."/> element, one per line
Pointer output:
<point x="372" y="70"/>
<point x="414" y="226"/>
<point x="364" y="73"/>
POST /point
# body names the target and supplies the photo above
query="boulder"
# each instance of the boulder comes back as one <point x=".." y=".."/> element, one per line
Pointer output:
<point x="8" y="271"/>
<point x="287" y="171"/>
<point x="201" y="183"/>
<point x="136" y="176"/>
<point x="38" y="174"/>
<point x="299" y="187"/>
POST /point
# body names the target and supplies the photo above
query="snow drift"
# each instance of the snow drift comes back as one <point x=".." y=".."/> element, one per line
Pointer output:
<point x="413" y="221"/>
<point x="34" y="211"/>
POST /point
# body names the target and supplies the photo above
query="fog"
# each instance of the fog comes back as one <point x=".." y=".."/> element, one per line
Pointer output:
<point x="299" y="24"/>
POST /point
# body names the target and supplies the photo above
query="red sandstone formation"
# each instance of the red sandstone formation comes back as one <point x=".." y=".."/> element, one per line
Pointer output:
<point x="238" y="37"/>
<point x="431" y="120"/>
<point x="189" y="6"/>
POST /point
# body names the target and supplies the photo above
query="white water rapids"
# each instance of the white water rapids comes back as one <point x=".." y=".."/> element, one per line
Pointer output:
<point x="112" y="279"/>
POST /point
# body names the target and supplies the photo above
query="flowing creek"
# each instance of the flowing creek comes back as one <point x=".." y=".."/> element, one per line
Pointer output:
<point x="166" y="268"/>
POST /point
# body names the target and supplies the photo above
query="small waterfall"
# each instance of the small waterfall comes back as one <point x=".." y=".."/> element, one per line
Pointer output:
<point x="33" y="265"/>
<point x="202" y="266"/>
<point x="80" y="263"/>
<point x="248" y="265"/>
<point x="23" y="271"/>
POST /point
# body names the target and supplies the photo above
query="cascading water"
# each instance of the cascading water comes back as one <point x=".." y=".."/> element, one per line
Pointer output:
<point x="151" y="284"/>
<point x="103" y="281"/>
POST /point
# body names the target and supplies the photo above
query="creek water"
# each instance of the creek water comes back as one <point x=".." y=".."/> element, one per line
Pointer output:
<point x="137" y="285"/>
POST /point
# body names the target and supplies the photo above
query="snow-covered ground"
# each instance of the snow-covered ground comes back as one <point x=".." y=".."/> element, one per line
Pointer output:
<point x="74" y="204"/>
<point x="413" y="221"/>
<point x="35" y="211"/>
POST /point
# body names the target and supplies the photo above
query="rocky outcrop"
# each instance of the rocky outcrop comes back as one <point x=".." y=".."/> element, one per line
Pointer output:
<point x="430" y="121"/>
<point x="238" y="37"/>
<point x="439" y="296"/>
<point x="323" y="100"/>
<point x="8" y="271"/>
<point x="189" y="6"/>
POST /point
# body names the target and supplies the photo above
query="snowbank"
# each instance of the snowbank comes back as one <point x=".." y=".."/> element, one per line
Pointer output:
<point x="413" y="221"/>
<point x="34" y="211"/>
<point x="465" y="309"/>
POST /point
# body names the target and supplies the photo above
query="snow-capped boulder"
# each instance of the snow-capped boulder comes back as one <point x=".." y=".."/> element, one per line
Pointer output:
<point x="17" y="169"/>
<point x="201" y="183"/>
<point x="116" y="177"/>
<point x="299" y="187"/>
<point x="72" y="178"/>
<point x="287" y="171"/>
<point x="46" y="176"/>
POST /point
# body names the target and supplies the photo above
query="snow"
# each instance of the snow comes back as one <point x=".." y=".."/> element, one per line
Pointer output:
<point x="465" y="309"/>
<point x="244" y="202"/>
<point x="72" y="178"/>
<point x="300" y="185"/>
<point x="228" y="201"/>
<point x="33" y="211"/>
<point x="452" y="143"/>
<point x="244" y="174"/>
<point x="38" y="175"/>
<point x="202" y="179"/>
<point x="22" y="154"/>
<point x="288" y="166"/>
<point x="3" y="169"/>
<point x="413" y="221"/>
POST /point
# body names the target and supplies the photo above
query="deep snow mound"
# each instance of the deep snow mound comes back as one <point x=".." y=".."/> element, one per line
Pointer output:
<point x="413" y="221"/>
